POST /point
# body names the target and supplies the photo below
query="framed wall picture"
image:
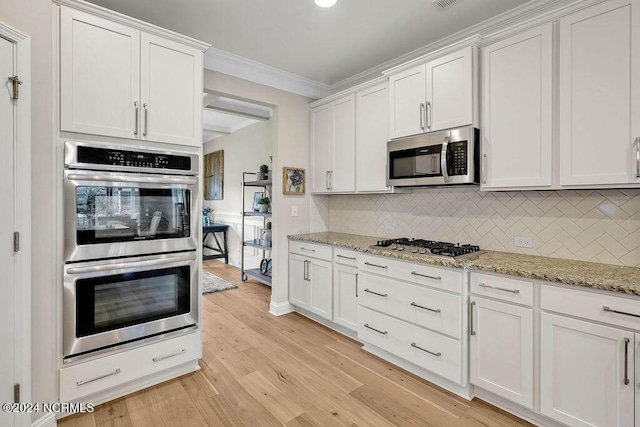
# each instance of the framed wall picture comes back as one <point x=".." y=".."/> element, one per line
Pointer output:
<point x="214" y="176"/>
<point x="293" y="181"/>
<point x="256" y="197"/>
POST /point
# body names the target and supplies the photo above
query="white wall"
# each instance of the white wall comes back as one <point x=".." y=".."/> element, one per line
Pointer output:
<point x="33" y="17"/>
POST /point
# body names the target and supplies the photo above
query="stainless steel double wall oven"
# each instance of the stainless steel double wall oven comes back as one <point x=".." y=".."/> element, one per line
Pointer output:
<point x="130" y="242"/>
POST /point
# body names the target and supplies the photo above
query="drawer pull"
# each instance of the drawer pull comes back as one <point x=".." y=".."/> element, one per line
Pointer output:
<point x="366" y="325"/>
<point x="435" y="310"/>
<point x="305" y="249"/>
<point x="375" y="293"/>
<point x="513" y="291"/>
<point x="610" y="310"/>
<point x="346" y="257"/>
<point x="428" y="277"/>
<point x="626" y="361"/>
<point x="414" y="345"/>
<point x="158" y="359"/>
<point x="376" y="265"/>
<point x="83" y="382"/>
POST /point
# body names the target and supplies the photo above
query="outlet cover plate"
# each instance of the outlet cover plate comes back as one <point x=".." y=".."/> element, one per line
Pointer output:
<point x="523" y="242"/>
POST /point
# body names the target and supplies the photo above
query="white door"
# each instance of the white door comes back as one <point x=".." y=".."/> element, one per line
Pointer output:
<point x="298" y="281"/>
<point x="450" y="91"/>
<point x="7" y="286"/>
<point x="584" y="370"/>
<point x="321" y="288"/>
<point x="99" y="75"/>
<point x="343" y="171"/>
<point x="502" y="350"/>
<point x="321" y="141"/>
<point x="407" y="97"/>
<point x="345" y="296"/>
<point x="171" y="95"/>
<point x="372" y="134"/>
<point x="517" y="94"/>
<point x="600" y="94"/>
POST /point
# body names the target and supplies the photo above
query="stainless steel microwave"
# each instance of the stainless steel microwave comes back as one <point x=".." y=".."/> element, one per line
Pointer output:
<point x="449" y="157"/>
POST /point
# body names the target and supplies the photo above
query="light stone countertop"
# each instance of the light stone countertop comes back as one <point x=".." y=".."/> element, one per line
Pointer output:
<point x="579" y="273"/>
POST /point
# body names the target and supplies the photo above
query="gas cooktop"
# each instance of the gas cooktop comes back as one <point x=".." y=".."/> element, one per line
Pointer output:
<point x="428" y="247"/>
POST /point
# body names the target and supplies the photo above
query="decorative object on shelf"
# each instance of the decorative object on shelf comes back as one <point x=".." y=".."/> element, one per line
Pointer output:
<point x="266" y="266"/>
<point x="263" y="173"/>
<point x="212" y="283"/>
<point x="256" y="197"/>
<point x="267" y="233"/>
<point x="214" y="176"/>
<point x="264" y="204"/>
<point x="293" y="181"/>
<point x="205" y="215"/>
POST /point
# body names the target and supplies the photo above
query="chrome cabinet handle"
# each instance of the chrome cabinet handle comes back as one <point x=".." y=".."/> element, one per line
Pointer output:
<point x="471" y="331"/>
<point x="327" y="180"/>
<point x="444" y="168"/>
<point x="83" y="382"/>
<point x="626" y="361"/>
<point x="304" y="270"/>
<point x="496" y="288"/>
<point x="330" y="180"/>
<point x="375" y="293"/>
<point x="414" y="345"/>
<point x="158" y="359"/>
<point x="308" y="250"/>
<point x="638" y="157"/>
<point x="610" y="310"/>
<point x="346" y="257"/>
<point x="422" y="116"/>
<point x="135" y="130"/>
<point x="366" y="325"/>
<point x="146" y="119"/>
<point x="428" y="115"/>
<point x="424" y="275"/>
<point x="435" y="310"/>
<point x="356" y="285"/>
<point x="376" y="265"/>
<point x="484" y="168"/>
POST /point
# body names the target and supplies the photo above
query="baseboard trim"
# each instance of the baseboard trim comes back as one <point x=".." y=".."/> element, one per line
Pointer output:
<point x="48" y="420"/>
<point x="328" y="324"/>
<point x="280" y="308"/>
<point x="515" y="409"/>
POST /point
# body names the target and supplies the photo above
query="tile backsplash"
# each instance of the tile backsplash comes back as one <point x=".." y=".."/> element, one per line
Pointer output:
<point x="589" y="225"/>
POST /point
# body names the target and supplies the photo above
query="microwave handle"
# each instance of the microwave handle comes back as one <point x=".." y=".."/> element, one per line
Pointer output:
<point x="444" y="167"/>
<point x="132" y="179"/>
<point x="130" y="264"/>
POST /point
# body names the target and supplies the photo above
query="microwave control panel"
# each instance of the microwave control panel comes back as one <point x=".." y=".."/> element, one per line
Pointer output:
<point x="137" y="159"/>
<point x="458" y="160"/>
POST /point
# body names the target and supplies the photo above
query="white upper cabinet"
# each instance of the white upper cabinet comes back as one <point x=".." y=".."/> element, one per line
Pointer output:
<point x="100" y="75"/>
<point x="372" y="134"/>
<point x="321" y="142"/>
<point x="121" y="82"/>
<point x="171" y="91"/>
<point x="440" y="94"/>
<point x="599" y="94"/>
<point x="517" y="93"/>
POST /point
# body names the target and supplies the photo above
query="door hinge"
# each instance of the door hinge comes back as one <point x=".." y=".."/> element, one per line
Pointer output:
<point x="16" y="82"/>
<point x="16" y="241"/>
<point x="16" y="393"/>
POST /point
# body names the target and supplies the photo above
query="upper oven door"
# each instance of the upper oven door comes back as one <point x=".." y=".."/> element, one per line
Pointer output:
<point x="110" y="214"/>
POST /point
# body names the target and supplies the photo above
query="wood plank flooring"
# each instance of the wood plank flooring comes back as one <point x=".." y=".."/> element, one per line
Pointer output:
<point x="262" y="370"/>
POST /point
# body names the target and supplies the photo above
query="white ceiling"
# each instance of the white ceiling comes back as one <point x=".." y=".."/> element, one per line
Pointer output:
<point x="325" y="45"/>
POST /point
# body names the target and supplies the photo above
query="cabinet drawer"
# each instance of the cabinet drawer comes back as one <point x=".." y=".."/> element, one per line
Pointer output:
<point x="109" y="371"/>
<point x="609" y="309"/>
<point x="311" y="250"/>
<point x="502" y="288"/>
<point x="377" y="329"/>
<point x="345" y="257"/>
<point x="374" y="292"/>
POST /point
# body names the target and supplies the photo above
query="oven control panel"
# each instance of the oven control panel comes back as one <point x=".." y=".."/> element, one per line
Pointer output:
<point x="458" y="159"/>
<point x="136" y="159"/>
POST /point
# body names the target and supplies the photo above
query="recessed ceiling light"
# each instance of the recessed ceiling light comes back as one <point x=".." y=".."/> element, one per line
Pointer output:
<point x="325" y="3"/>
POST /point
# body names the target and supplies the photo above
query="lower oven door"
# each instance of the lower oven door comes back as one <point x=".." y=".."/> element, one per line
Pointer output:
<point x="109" y="303"/>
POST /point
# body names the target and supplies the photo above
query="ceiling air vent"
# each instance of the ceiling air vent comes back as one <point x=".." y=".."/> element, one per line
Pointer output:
<point x="442" y="4"/>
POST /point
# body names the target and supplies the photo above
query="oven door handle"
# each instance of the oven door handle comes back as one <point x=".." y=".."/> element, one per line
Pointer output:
<point x="133" y="179"/>
<point x="131" y="264"/>
<point x="443" y="159"/>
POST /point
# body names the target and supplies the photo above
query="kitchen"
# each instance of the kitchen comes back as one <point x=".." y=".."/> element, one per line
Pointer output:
<point x="557" y="201"/>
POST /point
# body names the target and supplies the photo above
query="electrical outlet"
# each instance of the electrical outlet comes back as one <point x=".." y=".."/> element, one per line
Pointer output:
<point x="523" y="242"/>
<point x="294" y="211"/>
<point x="390" y="229"/>
<point x="352" y="227"/>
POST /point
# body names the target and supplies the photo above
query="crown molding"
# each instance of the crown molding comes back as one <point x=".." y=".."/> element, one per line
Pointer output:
<point x="238" y="66"/>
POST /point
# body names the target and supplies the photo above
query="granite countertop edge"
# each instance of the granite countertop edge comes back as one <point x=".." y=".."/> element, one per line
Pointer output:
<point x="607" y="277"/>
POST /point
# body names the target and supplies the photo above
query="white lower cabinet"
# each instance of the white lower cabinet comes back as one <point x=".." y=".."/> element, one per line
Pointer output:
<point x="586" y="373"/>
<point x="345" y="296"/>
<point x="320" y="288"/>
<point x="310" y="279"/>
<point x="298" y="284"/>
<point x="501" y="346"/>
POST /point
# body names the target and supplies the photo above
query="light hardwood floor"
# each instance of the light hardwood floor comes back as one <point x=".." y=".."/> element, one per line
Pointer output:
<point x="262" y="370"/>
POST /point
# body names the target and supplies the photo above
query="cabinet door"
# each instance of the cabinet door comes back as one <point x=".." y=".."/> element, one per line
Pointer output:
<point x="343" y="165"/>
<point x="99" y="75"/>
<point x="600" y="94"/>
<point x="345" y="296"/>
<point x="372" y="134"/>
<point x="583" y="367"/>
<point x="450" y="91"/>
<point x="517" y="94"/>
<point x="321" y="141"/>
<point x="407" y="97"/>
<point x="502" y="350"/>
<point x="298" y="283"/>
<point x="321" y="288"/>
<point x="171" y="92"/>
